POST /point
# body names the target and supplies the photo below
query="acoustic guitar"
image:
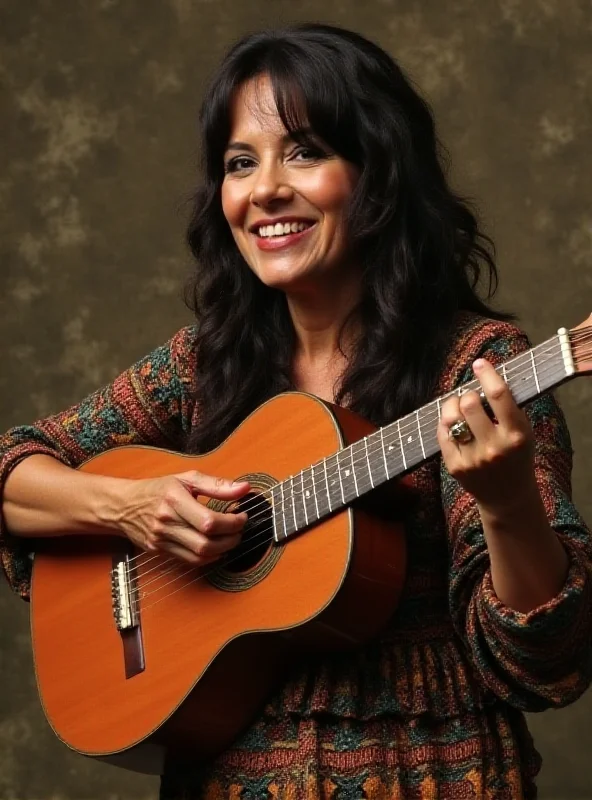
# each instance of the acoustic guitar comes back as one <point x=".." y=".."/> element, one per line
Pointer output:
<point x="140" y="655"/>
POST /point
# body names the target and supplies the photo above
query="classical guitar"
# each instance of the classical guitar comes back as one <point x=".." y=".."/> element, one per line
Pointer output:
<point x="137" y="654"/>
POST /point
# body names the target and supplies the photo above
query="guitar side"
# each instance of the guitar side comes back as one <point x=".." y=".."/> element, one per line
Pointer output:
<point x="212" y="652"/>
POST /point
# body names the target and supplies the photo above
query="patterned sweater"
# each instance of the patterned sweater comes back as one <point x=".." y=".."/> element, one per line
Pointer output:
<point x="452" y="647"/>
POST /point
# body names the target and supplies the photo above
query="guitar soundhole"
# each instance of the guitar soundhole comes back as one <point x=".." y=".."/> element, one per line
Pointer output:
<point x="258" y="553"/>
<point x="257" y="535"/>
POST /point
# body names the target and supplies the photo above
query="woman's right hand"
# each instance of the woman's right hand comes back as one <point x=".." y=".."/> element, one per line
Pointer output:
<point x="163" y="514"/>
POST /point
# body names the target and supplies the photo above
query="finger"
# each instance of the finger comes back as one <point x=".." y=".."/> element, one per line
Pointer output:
<point x="476" y="417"/>
<point x="209" y="522"/>
<point x="450" y="413"/>
<point x="185" y="554"/>
<point x="497" y="393"/>
<point x="211" y="486"/>
<point x="200" y="544"/>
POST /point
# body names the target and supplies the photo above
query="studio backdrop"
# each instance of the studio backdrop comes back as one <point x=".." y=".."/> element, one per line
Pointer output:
<point x="98" y="157"/>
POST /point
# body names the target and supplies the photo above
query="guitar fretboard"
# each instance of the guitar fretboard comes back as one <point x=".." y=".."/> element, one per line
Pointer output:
<point x="333" y="483"/>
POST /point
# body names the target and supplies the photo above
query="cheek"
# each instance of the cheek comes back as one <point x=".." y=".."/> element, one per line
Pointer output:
<point x="231" y="205"/>
<point x="334" y="191"/>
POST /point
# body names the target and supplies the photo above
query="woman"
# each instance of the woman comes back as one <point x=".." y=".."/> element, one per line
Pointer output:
<point x="334" y="259"/>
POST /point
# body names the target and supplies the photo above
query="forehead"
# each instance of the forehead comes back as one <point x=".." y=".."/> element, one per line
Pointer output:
<point x="253" y="110"/>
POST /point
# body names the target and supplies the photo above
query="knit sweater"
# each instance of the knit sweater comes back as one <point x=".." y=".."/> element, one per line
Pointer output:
<point x="452" y="648"/>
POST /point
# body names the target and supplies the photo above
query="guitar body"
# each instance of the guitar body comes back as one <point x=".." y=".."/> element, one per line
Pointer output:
<point x="212" y="643"/>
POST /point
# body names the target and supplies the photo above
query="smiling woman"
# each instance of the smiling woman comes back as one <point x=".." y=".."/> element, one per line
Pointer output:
<point x="275" y="181"/>
<point x="333" y="258"/>
<point x="354" y="151"/>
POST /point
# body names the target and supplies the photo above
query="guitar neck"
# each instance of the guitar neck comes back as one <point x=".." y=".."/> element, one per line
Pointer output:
<point x="333" y="483"/>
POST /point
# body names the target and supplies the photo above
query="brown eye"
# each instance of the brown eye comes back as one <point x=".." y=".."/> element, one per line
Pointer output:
<point x="238" y="164"/>
<point x="309" y="153"/>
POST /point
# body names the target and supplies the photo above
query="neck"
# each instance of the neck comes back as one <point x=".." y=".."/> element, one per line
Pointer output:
<point x="319" y="316"/>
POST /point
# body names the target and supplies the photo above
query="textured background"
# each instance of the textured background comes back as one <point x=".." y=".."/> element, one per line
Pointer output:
<point x="98" y="105"/>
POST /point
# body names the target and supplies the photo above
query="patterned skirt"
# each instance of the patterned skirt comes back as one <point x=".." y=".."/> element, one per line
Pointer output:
<point x="489" y="756"/>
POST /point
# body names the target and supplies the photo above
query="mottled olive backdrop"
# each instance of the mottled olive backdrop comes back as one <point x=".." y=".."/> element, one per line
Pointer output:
<point x="98" y="108"/>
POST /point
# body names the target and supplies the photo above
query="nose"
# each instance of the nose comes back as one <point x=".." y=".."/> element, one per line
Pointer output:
<point x="270" y="185"/>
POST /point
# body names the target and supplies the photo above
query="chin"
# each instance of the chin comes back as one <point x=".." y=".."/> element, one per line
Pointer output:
<point x="282" y="280"/>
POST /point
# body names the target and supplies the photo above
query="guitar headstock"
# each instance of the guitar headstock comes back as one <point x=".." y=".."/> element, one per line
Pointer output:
<point x="580" y="339"/>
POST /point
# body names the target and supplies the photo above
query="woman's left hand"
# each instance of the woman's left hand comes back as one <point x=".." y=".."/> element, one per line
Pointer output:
<point x="497" y="464"/>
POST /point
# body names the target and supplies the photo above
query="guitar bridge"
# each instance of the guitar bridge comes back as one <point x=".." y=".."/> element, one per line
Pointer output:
<point x="124" y="594"/>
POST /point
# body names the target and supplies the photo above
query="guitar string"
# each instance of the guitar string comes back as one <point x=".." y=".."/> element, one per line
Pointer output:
<point x="144" y="595"/>
<point x="398" y="435"/>
<point x="588" y="353"/>
<point x="466" y="387"/>
<point x="513" y="373"/>
<point x="176" y="566"/>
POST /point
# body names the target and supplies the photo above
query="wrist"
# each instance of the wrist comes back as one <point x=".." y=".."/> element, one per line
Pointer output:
<point x="523" y="508"/>
<point x="108" y="502"/>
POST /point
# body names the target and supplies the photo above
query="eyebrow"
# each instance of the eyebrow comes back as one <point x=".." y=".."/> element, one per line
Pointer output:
<point x="289" y="137"/>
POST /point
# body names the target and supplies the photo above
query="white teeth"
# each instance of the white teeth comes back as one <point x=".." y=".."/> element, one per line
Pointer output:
<point x="282" y="228"/>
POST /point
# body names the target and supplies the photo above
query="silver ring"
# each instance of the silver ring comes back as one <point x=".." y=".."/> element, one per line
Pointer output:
<point x="460" y="432"/>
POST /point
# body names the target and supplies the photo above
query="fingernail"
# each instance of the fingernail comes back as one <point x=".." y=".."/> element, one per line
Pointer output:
<point x="478" y="363"/>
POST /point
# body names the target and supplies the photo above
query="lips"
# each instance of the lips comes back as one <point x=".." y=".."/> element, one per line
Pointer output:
<point x="276" y="242"/>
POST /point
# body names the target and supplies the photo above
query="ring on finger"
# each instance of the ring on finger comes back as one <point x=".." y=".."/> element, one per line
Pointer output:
<point x="460" y="432"/>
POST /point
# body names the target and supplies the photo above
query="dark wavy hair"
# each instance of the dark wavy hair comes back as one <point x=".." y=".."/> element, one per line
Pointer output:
<point x="423" y="255"/>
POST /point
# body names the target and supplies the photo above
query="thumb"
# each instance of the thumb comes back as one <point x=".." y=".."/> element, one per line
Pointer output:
<point x="212" y="486"/>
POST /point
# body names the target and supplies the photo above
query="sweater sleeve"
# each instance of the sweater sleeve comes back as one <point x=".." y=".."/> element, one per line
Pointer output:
<point x="150" y="403"/>
<point x="542" y="658"/>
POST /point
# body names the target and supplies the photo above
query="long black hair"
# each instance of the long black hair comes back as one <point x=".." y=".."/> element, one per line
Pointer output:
<point x="423" y="255"/>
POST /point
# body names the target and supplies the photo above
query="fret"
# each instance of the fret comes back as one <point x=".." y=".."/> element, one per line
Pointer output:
<point x="429" y="418"/>
<point x="334" y="482"/>
<point x="279" y="526"/>
<point x="305" y="494"/>
<point x="534" y="372"/>
<point x="290" y="494"/>
<point x="410" y="440"/>
<point x="522" y="381"/>
<point x="288" y="509"/>
<point x="504" y="373"/>
<point x="401" y="444"/>
<point x="386" y="469"/>
<point x="299" y="504"/>
<point x="292" y="503"/>
<point x="419" y="431"/>
<point x="340" y="475"/>
<point x="327" y="484"/>
<point x="549" y="354"/>
<point x="314" y="491"/>
<point x="395" y="456"/>
<point x="361" y="466"/>
<point x="346" y="476"/>
<point x="308" y="497"/>
<point x="353" y="468"/>
<point x="367" y="456"/>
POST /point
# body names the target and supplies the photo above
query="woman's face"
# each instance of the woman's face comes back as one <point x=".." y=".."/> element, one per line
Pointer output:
<point x="285" y="203"/>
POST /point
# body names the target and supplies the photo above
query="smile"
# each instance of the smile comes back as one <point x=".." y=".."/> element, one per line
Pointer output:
<point x="282" y="229"/>
<point x="282" y="234"/>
